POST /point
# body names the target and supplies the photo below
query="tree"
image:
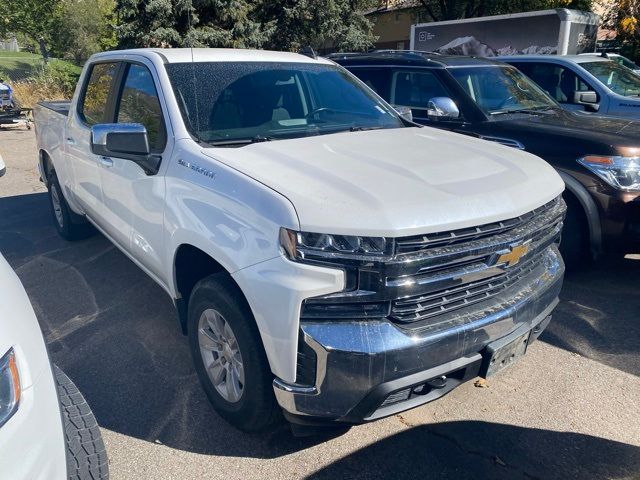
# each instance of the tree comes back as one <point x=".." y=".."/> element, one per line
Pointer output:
<point x="623" y="16"/>
<point x="321" y="24"/>
<point x="278" y="24"/>
<point x="198" y="23"/>
<point x="34" y="18"/>
<point x="84" y="27"/>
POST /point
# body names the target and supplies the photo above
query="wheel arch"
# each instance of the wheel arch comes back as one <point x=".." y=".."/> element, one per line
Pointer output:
<point x="590" y="209"/>
<point x="190" y="265"/>
<point x="45" y="165"/>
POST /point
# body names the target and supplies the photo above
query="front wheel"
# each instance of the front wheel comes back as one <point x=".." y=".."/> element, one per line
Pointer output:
<point x="228" y="355"/>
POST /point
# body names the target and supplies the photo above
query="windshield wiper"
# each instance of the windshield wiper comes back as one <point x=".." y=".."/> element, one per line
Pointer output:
<point x="362" y="129"/>
<point x="241" y="141"/>
<point x="528" y="111"/>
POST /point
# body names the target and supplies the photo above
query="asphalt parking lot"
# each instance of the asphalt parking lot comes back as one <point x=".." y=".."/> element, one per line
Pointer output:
<point x="569" y="409"/>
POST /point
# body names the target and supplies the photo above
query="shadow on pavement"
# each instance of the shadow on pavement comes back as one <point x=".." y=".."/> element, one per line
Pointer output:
<point x="598" y="314"/>
<point x="480" y="450"/>
<point x="116" y="334"/>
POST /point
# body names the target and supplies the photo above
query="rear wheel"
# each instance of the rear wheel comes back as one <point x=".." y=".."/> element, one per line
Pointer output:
<point x="228" y="355"/>
<point x="575" y="244"/>
<point x="69" y="225"/>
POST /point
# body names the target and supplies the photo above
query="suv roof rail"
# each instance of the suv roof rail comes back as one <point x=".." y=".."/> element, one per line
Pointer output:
<point x="389" y="50"/>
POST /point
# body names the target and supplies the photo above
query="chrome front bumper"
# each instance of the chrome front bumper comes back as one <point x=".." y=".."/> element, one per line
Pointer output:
<point x="361" y="363"/>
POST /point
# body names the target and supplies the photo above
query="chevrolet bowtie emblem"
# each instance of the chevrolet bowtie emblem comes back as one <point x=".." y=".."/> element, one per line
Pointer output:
<point x="514" y="256"/>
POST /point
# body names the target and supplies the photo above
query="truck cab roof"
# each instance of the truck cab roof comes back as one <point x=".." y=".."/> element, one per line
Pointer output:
<point x="186" y="55"/>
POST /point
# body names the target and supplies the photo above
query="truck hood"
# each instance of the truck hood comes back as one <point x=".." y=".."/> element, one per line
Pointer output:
<point x="396" y="182"/>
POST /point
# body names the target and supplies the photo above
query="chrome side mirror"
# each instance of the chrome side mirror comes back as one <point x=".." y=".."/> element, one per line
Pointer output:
<point x="3" y="168"/>
<point x="128" y="141"/>
<point x="442" y="108"/>
<point x="404" y="112"/>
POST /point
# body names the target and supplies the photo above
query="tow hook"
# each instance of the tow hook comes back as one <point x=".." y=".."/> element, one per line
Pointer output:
<point x="437" y="383"/>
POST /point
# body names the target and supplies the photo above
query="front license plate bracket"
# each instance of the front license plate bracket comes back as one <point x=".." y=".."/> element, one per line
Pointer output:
<point x="500" y="355"/>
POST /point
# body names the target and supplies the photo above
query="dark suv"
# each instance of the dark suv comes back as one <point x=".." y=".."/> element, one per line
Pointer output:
<point x="598" y="157"/>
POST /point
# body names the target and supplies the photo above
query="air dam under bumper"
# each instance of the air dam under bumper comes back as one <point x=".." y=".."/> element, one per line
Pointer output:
<point x="363" y="367"/>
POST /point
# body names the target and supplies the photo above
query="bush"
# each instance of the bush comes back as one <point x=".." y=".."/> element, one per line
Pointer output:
<point x="56" y="81"/>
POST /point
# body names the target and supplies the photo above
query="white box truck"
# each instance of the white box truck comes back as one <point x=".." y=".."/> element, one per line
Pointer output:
<point x="559" y="31"/>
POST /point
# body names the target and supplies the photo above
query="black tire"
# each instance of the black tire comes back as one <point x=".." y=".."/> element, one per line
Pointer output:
<point x="257" y="409"/>
<point x="86" y="453"/>
<point x="575" y="243"/>
<point x="69" y="225"/>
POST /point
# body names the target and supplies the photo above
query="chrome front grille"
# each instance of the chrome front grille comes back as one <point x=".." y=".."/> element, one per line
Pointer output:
<point x="426" y="279"/>
<point x="422" y="242"/>
<point x="466" y="266"/>
<point x="423" y="307"/>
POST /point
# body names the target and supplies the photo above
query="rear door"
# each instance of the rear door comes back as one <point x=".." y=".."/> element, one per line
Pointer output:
<point x="133" y="199"/>
<point x="94" y="106"/>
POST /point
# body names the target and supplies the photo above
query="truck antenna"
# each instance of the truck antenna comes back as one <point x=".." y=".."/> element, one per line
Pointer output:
<point x="309" y="52"/>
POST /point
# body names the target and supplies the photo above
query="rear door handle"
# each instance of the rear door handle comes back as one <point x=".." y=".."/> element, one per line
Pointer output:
<point x="106" y="162"/>
<point x="70" y="141"/>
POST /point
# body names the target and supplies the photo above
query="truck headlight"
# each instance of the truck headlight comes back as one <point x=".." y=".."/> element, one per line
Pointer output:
<point x="325" y="247"/>
<point x="619" y="171"/>
<point x="9" y="386"/>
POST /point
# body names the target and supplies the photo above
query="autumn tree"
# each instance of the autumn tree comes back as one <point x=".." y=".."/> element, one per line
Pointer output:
<point x="623" y="16"/>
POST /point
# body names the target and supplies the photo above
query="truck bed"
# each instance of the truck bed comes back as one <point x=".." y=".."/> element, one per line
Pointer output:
<point x="58" y="106"/>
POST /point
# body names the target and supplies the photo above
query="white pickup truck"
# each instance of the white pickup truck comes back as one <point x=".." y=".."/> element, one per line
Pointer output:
<point x="327" y="258"/>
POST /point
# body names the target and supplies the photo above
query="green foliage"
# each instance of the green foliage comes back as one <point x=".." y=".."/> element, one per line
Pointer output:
<point x="34" y="18"/>
<point x="84" y="27"/>
<point x="64" y="74"/>
<point x="64" y="28"/>
<point x="336" y="24"/>
<point x="277" y="24"/>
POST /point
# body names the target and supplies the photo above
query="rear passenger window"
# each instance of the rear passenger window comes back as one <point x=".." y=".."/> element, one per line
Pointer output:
<point x="139" y="103"/>
<point x="415" y="89"/>
<point x="378" y="80"/>
<point x="94" y="103"/>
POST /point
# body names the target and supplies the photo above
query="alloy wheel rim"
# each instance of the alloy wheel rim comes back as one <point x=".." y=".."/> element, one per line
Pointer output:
<point x="57" y="207"/>
<point x="221" y="355"/>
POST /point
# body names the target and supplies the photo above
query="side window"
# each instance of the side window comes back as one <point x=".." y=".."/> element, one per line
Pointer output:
<point x="96" y="96"/>
<point x="415" y="89"/>
<point x="378" y="80"/>
<point x="558" y="81"/>
<point x="139" y="103"/>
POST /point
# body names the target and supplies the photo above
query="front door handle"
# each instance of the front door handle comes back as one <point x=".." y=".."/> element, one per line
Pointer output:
<point x="106" y="162"/>
<point x="70" y="141"/>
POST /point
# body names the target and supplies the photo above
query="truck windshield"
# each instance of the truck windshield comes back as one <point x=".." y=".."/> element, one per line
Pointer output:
<point x="497" y="89"/>
<point x="227" y="104"/>
<point x="619" y="79"/>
